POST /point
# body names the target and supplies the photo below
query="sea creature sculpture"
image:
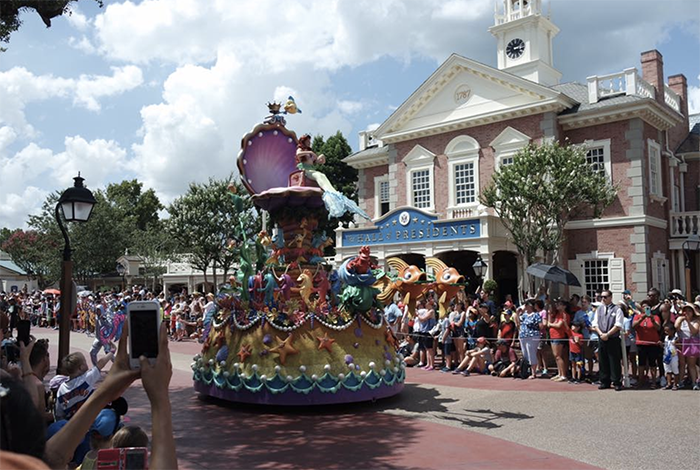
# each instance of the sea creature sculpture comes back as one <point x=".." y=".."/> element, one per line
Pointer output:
<point x="358" y="275"/>
<point x="323" y="286"/>
<point x="290" y="107"/>
<point x="285" y="283"/>
<point x="262" y="241"/>
<point x="269" y="288"/>
<point x="255" y="286"/>
<point x="245" y="270"/>
<point x="336" y="286"/>
<point x="411" y="283"/>
<point x="306" y="287"/>
<point x="448" y="283"/>
<point x="318" y="243"/>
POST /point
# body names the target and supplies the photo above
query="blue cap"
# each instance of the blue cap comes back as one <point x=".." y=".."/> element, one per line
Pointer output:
<point x="106" y="422"/>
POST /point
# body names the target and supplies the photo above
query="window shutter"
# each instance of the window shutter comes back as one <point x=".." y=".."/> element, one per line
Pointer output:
<point x="576" y="268"/>
<point x="616" y="267"/>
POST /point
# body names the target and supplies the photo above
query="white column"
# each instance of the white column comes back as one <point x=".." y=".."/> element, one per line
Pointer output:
<point x="682" y="168"/>
<point x="680" y="270"/>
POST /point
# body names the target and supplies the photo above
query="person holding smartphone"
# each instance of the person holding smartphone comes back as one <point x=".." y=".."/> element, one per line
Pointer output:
<point x="647" y="327"/>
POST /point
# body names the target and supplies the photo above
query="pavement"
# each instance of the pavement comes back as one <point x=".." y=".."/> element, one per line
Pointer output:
<point x="439" y="421"/>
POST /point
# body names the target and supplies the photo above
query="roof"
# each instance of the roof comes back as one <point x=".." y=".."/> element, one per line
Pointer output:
<point x="579" y="92"/>
<point x="691" y="144"/>
<point x="693" y="121"/>
<point x="9" y="265"/>
<point x="369" y="157"/>
<point x="369" y="152"/>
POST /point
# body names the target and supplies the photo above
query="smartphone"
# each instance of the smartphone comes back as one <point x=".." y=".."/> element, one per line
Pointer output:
<point x="144" y="331"/>
<point x="23" y="331"/>
<point x="647" y="311"/>
<point x="132" y="458"/>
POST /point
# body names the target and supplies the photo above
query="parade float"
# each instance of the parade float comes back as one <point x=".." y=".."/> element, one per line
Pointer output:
<point x="292" y="331"/>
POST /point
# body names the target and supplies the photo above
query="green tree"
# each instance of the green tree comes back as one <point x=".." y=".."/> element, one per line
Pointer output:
<point x="342" y="176"/>
<point x="155" y="248"/>
<point x="10" y="11"/>
<point x="137" y="207"/>
<point x="546" y="186"/>
<point x="203" y="221"/>
<point x="34" y="252"/>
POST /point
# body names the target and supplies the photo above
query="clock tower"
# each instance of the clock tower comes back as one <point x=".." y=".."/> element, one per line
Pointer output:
<point x="524" y="40"/>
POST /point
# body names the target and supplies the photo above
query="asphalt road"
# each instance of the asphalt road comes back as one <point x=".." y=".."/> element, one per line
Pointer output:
<point x="439" y="421"/>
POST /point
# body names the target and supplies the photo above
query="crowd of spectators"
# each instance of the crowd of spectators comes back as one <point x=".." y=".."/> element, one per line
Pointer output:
<point x="573" y="340"/>
<point x="64" y="420"/>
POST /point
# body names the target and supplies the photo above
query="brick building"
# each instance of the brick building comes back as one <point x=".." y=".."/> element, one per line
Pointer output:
<point x="421" y="170"/>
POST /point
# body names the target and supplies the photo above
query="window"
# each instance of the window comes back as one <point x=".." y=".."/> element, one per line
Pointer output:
<point x="596" y="276"/>
<point x="507" y="160"/>
<point x="598" y="155"/>
<point x="420" y="185"/>
<point x="655" y="169"/>
<point x="465" y="188"/>
<point x="383" y="195"/>
<point x="596" y="158"/>
<point x="463" y="172"/>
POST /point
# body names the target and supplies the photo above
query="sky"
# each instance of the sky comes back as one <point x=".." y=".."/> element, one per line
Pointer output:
<point x="163" y="90"/>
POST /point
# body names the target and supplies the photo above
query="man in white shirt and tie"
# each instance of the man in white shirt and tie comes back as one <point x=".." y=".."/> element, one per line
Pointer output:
<point x="607" y="324"/>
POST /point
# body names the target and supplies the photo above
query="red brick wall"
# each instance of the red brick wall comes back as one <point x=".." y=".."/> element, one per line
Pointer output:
<point x="691" y="182"/>
<point x="618" y="159"/>
<point x="370" y="174"/>
<point x="484" y="135"/>
<point x="604" y="240"/>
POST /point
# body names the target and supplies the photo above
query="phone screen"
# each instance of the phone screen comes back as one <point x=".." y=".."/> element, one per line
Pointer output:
<point x="135" y="459"/>
<point x="23" y="331"/>
<point x="144" y="333"/>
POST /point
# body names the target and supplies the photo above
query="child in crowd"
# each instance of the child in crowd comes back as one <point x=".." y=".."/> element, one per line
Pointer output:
<point x="576" y="353"/>
<point x="671" y="358"/>
<point x="505" y="360"/>
<point x="80" y="384"/>
<point x="477" y="359"/>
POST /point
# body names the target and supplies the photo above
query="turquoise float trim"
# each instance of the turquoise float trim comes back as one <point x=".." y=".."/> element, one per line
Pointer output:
<point x="327" y="383"/>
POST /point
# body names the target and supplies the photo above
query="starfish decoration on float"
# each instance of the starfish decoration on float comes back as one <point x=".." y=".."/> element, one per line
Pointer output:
<point x="284" y="349"/>
<point x="325" y="342"/>
<point x="245" y="352"/>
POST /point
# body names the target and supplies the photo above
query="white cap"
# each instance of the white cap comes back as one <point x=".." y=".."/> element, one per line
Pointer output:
<point x="677" y="292"/>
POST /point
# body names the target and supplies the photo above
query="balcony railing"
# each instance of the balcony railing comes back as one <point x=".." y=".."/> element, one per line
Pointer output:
<point x="461" y="212"/>
<point x="672" y="99"/>
<point x="627" y="82"/>
<point x="684" y="224"/>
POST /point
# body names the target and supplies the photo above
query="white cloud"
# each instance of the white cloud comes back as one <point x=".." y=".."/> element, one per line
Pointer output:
<point x="694" y="98"/>
<point x="350" y="107"/>
<point x="15" y="208"/>
<point x="83" y="44"/>
<point x="19" y="87"/>
<point x="76" y="18"/>
<point x="91" y="87"/>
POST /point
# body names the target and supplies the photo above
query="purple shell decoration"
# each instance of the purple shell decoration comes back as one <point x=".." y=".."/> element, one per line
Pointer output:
<point x="222" y="354"/>
<point x="267" y="340"/>
<point x="358" y="332"/>
<point x="349" y="359"/>
<point x="355" y="345"/>
<point x="266" y="158"/>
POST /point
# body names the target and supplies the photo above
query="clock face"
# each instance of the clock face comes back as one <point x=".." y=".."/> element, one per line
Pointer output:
<point x="515" y="48"/>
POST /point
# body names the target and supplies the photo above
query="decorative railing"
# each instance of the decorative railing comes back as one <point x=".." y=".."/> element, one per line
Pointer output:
<point x="684" y="224"/>
<point x="627" y="82"/>
<point x="461" y="213"/>
<point x="506" y="16"/>
<point x="672" y="99"/>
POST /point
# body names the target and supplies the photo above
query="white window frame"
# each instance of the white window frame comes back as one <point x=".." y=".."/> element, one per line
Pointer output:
<point x="420" y="158"/>
<point x="462" y="150"/>
<point x="616" y="280"/>
<point x="378" y="180"/>
<point x="660" y="272"/>
<point x="507" y="144"/>
<point x="605" y="144"/>
<point x="654" y="152"/>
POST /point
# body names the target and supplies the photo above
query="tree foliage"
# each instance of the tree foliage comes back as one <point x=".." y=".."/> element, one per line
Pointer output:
<point x="33" y="252"/>
<point x="204" y="220"/>
<point x="10" y="11"/>
<point x="342" y="175"/>
<point x="546" y="186"/>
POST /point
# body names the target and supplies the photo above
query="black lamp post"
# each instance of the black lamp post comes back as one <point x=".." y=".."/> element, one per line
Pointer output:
<point x="480" y="267"/>
<point x="76" y="204"/>
<point x="690" y="245"/>
<point x="121" y="269"/>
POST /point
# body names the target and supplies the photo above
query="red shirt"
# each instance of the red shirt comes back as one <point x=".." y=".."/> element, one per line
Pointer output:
<point x="511" y="357"/>
<point x="647" y="332"/>
<point x="507" y="330"/>
<point x="574" y="347"/>
<point x="558" y="333"/>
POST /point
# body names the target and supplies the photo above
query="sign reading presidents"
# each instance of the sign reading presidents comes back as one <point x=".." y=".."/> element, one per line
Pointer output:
<point x="410" y="225"/>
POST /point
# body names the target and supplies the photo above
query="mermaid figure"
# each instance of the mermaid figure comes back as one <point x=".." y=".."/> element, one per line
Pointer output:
<point x="336" y="203"/>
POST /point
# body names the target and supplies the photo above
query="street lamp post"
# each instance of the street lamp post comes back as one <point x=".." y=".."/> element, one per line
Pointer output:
<point x="76" y="204"/>
<point x="690" y="245"/>
<point x="480" y="267"/>
<point x="121" y="269"/>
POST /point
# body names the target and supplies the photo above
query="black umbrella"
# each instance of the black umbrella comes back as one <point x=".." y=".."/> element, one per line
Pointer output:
<point x="552" y="273"/>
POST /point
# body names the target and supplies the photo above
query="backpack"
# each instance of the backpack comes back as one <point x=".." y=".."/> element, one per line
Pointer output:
<point x="525" y="369"/>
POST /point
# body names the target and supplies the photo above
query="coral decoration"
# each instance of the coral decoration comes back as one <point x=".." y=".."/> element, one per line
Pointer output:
<point x="325" y="342"/>
<point x="284" y="349"/>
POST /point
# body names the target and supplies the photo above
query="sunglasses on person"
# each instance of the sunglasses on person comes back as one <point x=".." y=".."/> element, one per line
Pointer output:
<point x="604" y="296"/>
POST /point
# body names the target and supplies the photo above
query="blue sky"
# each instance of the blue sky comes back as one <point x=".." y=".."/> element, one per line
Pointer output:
<point x="163" y="90"/>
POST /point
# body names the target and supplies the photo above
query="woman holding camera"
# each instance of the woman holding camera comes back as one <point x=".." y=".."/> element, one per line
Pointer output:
<point x="688" y="327"/>
<point x="647" y="327"/>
